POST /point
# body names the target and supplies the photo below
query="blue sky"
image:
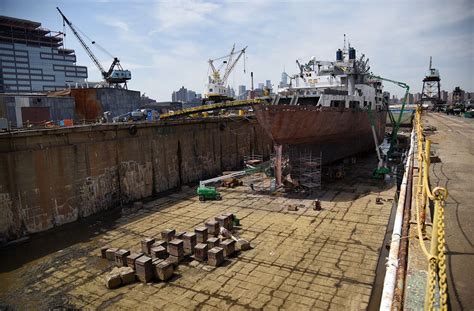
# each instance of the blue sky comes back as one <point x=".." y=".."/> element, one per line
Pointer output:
<point x="166" y="44"/>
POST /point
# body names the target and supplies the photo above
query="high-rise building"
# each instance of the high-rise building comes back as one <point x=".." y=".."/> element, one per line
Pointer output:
<point x="191" y="96"/>
<point x="33" y="58"/>
<point x="284" y="80"/>
<point x="268" y="84"/>
<point x="180" y="96"/>
<point x="242" y="90"/>
<point x="458" y="95"/>
<point x="261" y="86"/>
<point x="230" y="92"/>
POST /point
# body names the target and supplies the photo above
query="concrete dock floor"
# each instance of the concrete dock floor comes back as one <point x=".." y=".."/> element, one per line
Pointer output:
<point x="300" y="260"/>
<point x="453" y="144"/>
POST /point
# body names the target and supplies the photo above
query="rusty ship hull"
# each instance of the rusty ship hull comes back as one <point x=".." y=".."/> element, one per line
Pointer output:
<point x="336" y="133"/>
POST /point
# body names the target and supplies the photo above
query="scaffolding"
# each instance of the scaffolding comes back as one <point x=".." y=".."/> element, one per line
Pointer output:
<point x="309" y="170"/>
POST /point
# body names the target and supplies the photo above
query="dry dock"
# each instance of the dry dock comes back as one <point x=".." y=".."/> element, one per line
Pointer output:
<point x="303" y="259"/>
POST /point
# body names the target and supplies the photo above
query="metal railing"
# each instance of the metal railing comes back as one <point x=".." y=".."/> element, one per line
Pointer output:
<point x="424" y="196"/>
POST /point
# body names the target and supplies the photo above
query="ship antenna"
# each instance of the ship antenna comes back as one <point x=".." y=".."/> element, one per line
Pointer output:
<point x="344" y="42"/>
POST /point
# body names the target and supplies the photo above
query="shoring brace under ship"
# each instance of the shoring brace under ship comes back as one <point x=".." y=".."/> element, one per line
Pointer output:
<point x="327" y="108"/>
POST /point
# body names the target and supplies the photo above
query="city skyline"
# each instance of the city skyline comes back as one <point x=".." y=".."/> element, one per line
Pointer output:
<point x="158" y="47"/>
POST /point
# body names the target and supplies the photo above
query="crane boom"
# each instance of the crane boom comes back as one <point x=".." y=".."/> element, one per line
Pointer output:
<point x="396" y="126"/>
<point x="231" y="66"/>
<point x="84" y="45"/>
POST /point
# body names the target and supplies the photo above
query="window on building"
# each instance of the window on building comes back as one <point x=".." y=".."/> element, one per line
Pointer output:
<point x="338" y="103"/>
<point x="354" y="104"/>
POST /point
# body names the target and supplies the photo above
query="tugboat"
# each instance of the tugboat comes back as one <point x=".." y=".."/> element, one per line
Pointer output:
<point x="333" y="108"/>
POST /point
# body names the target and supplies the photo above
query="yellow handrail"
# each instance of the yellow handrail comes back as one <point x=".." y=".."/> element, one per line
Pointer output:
<point x="436" y="257"/>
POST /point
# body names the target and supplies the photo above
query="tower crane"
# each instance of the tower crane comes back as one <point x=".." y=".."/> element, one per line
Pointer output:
<point x="113" y="77"/>
<point x="216" y="88"/>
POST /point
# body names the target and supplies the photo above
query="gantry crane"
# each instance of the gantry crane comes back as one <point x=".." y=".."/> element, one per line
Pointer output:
<point x="113" y="77"/>
<point x="216" y="89"/>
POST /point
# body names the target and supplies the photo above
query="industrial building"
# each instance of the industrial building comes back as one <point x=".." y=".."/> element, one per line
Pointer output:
<point x="33" y="58"/>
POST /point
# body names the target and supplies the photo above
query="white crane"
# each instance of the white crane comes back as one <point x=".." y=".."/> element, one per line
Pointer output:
<point x="216" y="88"/>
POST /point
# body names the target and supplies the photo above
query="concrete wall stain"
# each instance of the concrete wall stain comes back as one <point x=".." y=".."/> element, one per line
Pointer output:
<point x="49" y="178"/>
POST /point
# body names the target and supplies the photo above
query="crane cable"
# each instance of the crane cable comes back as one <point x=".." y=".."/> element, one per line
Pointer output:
<point x="93" y="42"/>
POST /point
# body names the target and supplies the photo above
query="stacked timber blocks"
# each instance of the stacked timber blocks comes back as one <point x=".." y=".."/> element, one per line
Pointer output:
<point x="215" y="256"/>
<point x="201" y="234"/>
<point x="200" y="252"/>
<point x="146" y="245"/>
<point x="163" y="270"/>
<point x="168" y="234"/>
<point x="176" y="251"/>
<point x="158" y="252"/>
<point x="212" y="227"/>
<point x="144" y="269"/>
<point x="158" y="258"/>
<point x="225" y="221"/>
<point x="229" y="247"/>
<point x="213" y="242"/>
<point x="121" y="257"/>
<point x="110" y="254"/>
<point x="131" y="259"/>
<point x="189" y="242"/>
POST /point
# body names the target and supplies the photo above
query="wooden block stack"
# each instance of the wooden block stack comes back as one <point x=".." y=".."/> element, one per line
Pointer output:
<point x="168" y="234"/>
<point x="144" y="269"/>
<point x="201" y="234"/>
<point x="131" y="259"/>
<point x="121" y="257"/>
<point x="158" y="252"/>
<point x="164" y="270"/>
<point x="176" y="250"/>
<point x="213" y="242"/>
<point x="212" y="227"/>
<point x="215" y="256"/>
<point x="110" y="253"/>
<point x="146" y="245"/>
<point x="228" y="246"/>
<point x="189" y="241"/>
<point x="200" y="252"/>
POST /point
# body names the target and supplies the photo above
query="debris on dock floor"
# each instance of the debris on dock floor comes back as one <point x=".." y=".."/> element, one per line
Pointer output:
<point x="302" y="259"/>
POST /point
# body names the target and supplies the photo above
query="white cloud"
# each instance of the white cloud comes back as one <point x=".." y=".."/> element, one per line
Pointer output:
<point x="172" y="15"/>
<point x="115" y="23"/>
<point x="168" y="43"/>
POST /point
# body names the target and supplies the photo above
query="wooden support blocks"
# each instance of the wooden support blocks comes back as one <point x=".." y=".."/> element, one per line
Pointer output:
<point x="200" y="252"/>
<point x="110" y="253"/>
<point x="144" y="269"/>
<point x="228" y="246"/>
<point x="189" y="242"/>
<point x="201" y="234"/>
<point x="131" y="259"/>
<point x="121" y="257"/>
<point x="215" y="256"/>
<point x="164" y="270"/>
<point x="213" y="242"/>
<point x="146" y="245"/>
<point x="158" y="252"/>
<point x="168" y="234"/>
<point x="212" y="227"/>
<point x="176" y="248"/>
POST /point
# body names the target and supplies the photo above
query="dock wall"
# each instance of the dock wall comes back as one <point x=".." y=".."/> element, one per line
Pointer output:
<point x="55" y="176"/>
